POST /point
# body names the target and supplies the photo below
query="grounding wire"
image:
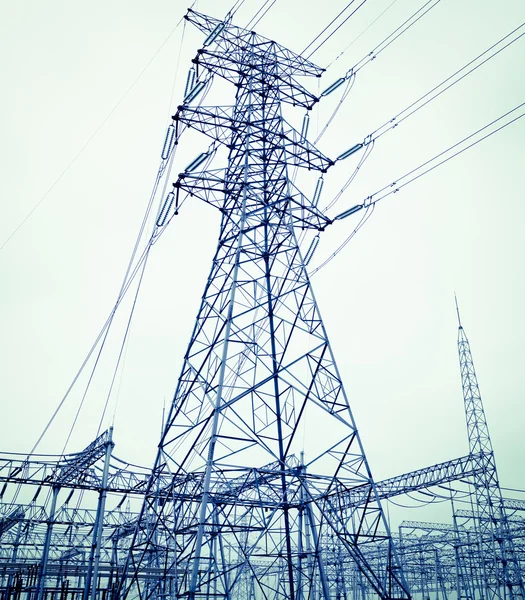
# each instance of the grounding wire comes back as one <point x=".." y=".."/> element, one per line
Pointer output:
<point x="90" y="139"/>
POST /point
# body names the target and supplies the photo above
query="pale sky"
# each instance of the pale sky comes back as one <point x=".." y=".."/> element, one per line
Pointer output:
<point x="387" y="298"/>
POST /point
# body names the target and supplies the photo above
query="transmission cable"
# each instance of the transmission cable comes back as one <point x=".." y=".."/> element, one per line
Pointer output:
<point x="368" y="213"/>
<point x="412" y="20"/>
<point x="254" y="20"/>
<point x="124" y="340"/>
<point x="352" y="72"/>
<point x="361" y="34"/>
<point x="328" y="27"/>
<point x="101" y="336"/>
<point x="132" y="270"/>
<point x="439" y="89"/>
<point x="424" y="100"/>
<point x="368" y="150"/>
<point x="395" y="187"/>
<point x="91" y="137"/>
<point x="230" y="14"/>
<point x="107" y="326"/>
<point x="93" y="370"/>
<point x="414" y="174"/>
<point x="152" y="240"/>
<point x="264" y="13"/>
<point x="344" y="96"/>
<point x="383" y="45"/>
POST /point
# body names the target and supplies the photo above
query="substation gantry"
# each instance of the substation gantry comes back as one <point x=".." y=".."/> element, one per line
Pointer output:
<point x="233" y="508"/>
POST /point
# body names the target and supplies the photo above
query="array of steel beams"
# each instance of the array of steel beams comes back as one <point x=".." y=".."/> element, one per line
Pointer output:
<point x="231" y="508"/>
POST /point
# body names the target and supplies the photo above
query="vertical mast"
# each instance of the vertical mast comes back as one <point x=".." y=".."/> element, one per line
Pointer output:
<point x="499" y="562"/>
<point x="259" y="372"/>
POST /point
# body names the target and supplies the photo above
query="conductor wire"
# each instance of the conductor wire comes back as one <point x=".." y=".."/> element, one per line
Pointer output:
<point x="328" y="27"/>
<point x="361" y="34"/>
<point x="394" y="187"/>
<point x="90" y="139"/>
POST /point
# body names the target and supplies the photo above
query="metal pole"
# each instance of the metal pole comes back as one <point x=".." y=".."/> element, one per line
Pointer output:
<point x="47" y="543"/>
<point x="94" y="555"/>
<point x="324" y="582"/>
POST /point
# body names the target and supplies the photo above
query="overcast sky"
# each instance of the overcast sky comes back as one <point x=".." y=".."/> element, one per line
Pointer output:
<point x="387" y="299"/>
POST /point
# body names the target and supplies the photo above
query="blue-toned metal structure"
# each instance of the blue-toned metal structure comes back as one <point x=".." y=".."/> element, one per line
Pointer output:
<point x="501" y="573"/>
<point x="259" y="374"/>
<point x="237" y="506"/>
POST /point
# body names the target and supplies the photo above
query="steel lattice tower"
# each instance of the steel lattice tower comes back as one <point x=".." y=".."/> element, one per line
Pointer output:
<point x="499" y="561"/>
<point x="245" y="516"/>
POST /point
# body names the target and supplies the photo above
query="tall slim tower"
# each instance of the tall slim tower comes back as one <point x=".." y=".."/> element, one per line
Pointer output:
<point x="243" y="515"/>
<point x="498" y="558"/>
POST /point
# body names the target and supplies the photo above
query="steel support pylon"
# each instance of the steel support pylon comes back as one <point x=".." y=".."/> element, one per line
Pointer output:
<point x="500" y="566"/>
<point x="245" y="516"/>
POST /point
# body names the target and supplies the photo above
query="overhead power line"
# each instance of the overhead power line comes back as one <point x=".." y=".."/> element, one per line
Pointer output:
<point x="429" y="165"/>
<point x="422" y="101"/>
<point x="90" y="138"/>
<point x="445" y="156"/>
<point x="321" y="44"/>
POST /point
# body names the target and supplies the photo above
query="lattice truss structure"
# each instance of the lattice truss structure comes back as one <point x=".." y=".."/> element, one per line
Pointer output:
<point x="232" y="507"/>
<point x="259" y="370"/>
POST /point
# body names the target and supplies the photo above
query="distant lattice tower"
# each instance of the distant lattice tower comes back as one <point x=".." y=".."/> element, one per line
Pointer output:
<point x="499" y="563"/>
<point x="244" y="517"/>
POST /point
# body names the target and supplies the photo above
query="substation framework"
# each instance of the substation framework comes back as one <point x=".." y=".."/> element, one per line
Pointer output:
<point x="232" y="507"/>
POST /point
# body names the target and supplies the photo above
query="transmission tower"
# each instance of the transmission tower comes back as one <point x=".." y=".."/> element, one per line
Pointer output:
<point x="243" y="515"/>
<point x="499" y="563"/>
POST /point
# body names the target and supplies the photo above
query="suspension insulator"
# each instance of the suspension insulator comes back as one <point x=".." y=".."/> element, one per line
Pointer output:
<point x="349" y="212"/>
<point x="350" y="151"/>
<point x="311" y="250"/>
<point x="318" y="190"/>
<point x="306" y="124"/>
<point x="168" y="142"/>
<point x="166" y="208"/>
<point x="214" y="34"/>
<point x="197" y="162"/>
<point x="190" y="81"/>
<point x="194" y="92"/>
<point x="333" y="87"/>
